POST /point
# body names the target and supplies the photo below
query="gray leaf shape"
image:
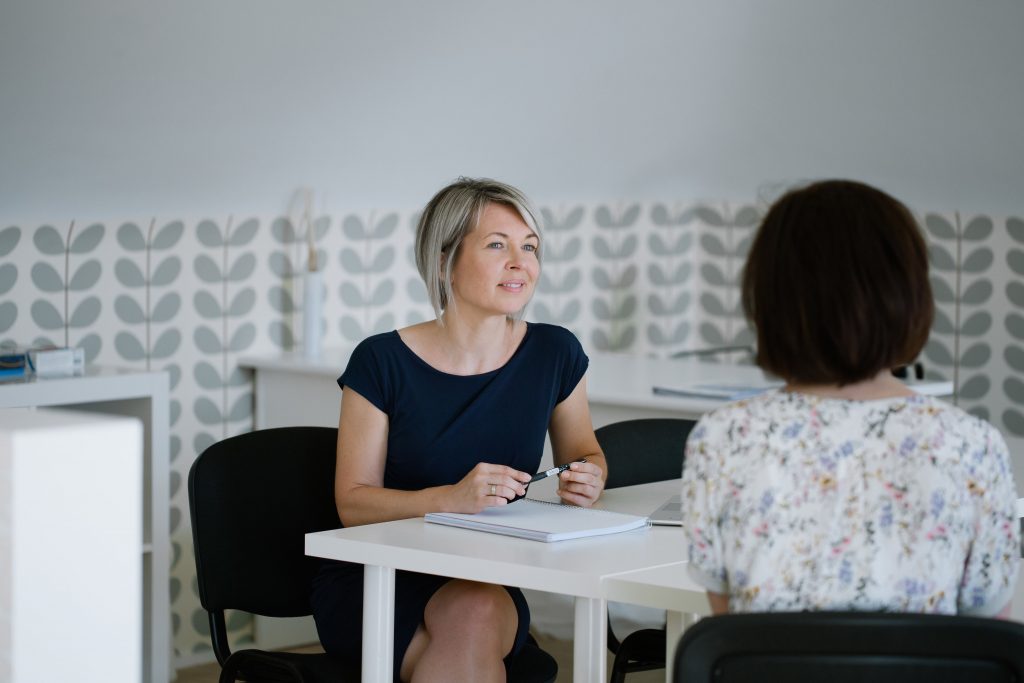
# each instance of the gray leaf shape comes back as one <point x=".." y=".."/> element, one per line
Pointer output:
<point x="46" y="278"/>
<point x="629" y="246"/>
<point x="417" y="291"/>
<point x="351" y="296"/>
<point x="744" y="336"/>
<point x="743" y="246"/>
<point x="976" y="356"/>
<point x="680" y="333"/>
<point x="320" y="227"/>
<point x="8" y="276"/>
<point x="977" y="293"/>
<point x="711" y="335"/>
<point x="91" y="344"/>
<point x="128" y="310"/>
<point x="351" y="329"/>
<point x="200" y="443"/>
<point x="1014" y="356"/>
<point x="8" y="315"/>
<point x="86" y="313"/>
<point x="572" y="219"/>
<point x="386" y="226"/>
<point x="242" y="268"/>
<point x="9" y="238"/>
<point x="659" y="215"/>
<point x="244" y="233"/>
<point x="602" y="248"/>
<point x="626" y="308"/>
<point x="351" y="262"/>
<point x="207" y="269"/>
<point x="241" y="409"/>
<point x="1015" y="259"/>
<point x="939" y="227"/>
<point x="129" y="347"/>
<point x="206" y="411"/>
<point x="979" y="412"/>
<point x="978" y="261"/>
<point x="976" y="387"/>
<point x="87" y="240"/>
<point x="281" y="336"/>
<point x="978" y="229"/>
<point x="1014" y="226"/>
<point x="206" y="305"/>
<point x="712" y="305"/>
<point x="656" y="336"/>
<point x="571" y="311"/>
<point x="713" y="275"/>
<point x="940" y="258"/>
<point x="238" y="377"/>
<point x="167" y="272"/>
<point x="569" y="252"/>
<point x="712" y="245"/>
<point x="604" y="219"/>
<point x="128" y="274"/>
<point x="167" y="343"/>
<point x="175" y="487"/>
<point x="1013" y="420"/>
<point x="624" y="340"/>
<point x="570" y="280"/>
<point x="600" y="341"/>
<point x="242" y="338"/>
<point x="936" y="352"/>
<point x="167" y="307"/>
<point x="206" y="340"/>
<point x="174" y="370"/>
<point x="542" y="314"/>
<point x="281" y="265"/>
<point x="281" y="300"/>
<point x="168" y="235"/>
<point x="207" y="376"/>
<point x="1014" y="292"/>
<point x="242" y="303"/>
<point x="48" y="241"/>
<point x="977" y="324"/>
<point x="209" y="234"/>
<point x="383" y="260"/>
<point x="86" y="276"/>
<point x="1015" y="325"/>
<point x="710" y="216"/>
<point x="283" y="231"/>
<point x="601" y="309"/>
<point x="383" y="293"/>
<point x="130" y="237"/>
<point x="747" y="217"/>
<point x="942" y="324"/>
<point x="942" y="292"/>
<point x="353" y="228"/>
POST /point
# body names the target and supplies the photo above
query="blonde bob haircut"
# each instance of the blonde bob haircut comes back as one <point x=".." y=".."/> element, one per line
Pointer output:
<point x="451" y="215"/>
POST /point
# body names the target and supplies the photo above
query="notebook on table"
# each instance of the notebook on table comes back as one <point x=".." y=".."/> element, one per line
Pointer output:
<point x="542" y="521"/>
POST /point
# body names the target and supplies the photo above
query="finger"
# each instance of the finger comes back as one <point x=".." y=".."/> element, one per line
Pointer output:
<point x="512" y="473"/>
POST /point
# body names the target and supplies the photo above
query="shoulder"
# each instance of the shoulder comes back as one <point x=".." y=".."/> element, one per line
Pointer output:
<point x="554" y="335"/>
<point x="376" y="347"/>
<point x="954" y="423"/>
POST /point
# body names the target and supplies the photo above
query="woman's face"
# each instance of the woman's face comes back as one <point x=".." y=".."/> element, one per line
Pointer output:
<point x="496" y="267"/>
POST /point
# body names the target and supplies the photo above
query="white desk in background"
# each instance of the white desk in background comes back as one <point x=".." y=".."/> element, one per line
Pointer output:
<point x="582" y="568"/>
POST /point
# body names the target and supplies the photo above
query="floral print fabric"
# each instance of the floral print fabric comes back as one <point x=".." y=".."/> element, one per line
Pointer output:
<point x="796" y="502"/>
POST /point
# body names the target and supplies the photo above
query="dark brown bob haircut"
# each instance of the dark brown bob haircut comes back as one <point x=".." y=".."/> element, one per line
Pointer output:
<point x="836" y="285"/>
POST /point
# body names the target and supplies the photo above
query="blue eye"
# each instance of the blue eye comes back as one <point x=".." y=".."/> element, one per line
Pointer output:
<point x="530" y="247"/>
<point x="495" y="245"/>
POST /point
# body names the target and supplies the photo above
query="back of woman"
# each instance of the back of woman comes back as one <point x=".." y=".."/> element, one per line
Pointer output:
<point x="845" y="490"/>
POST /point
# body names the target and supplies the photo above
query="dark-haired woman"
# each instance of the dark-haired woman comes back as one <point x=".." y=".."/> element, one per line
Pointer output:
<point x="845" y="490"/>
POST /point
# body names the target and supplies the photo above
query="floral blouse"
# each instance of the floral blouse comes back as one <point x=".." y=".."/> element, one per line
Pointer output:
<point x="795" y="502"/>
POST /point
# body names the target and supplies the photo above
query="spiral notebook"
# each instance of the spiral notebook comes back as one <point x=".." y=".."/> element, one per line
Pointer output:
<point x="542" y="521"/>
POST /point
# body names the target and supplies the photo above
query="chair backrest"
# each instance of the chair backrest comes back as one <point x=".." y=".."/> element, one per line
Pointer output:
<point x="643" y="450"/>
<point x="252" y="498"/>
<point x="842" y="647"/>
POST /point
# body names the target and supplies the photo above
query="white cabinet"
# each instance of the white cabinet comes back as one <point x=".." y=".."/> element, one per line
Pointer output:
<point x="144" y="395"/>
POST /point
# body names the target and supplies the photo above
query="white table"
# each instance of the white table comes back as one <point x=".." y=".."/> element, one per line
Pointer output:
<point x="144" y="395"/>
<point x="580" y="568"/>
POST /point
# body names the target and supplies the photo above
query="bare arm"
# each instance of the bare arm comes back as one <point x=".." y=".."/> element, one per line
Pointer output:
<point x="572" y="438"/>
<point x="359" y="491"/>
<point x="719" y="603"/>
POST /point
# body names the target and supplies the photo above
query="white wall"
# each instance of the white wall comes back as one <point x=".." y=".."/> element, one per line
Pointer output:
<point x="117" y="107"/>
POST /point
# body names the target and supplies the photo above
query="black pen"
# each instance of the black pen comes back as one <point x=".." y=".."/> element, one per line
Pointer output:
<point x="553" y="471"/>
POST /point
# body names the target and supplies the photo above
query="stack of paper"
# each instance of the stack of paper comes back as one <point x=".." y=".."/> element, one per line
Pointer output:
<point x="541" y="521"/>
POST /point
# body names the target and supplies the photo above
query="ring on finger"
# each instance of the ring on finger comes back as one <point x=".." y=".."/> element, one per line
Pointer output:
<point x="494" y="489"/>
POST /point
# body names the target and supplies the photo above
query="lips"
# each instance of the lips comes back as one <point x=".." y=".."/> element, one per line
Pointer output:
<point x="513" y="285"/>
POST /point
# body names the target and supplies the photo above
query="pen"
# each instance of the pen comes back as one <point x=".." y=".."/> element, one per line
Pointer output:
<point x="553" y="471"/>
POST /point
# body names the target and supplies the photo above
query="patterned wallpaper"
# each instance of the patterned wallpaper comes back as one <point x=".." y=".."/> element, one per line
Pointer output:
<point x="190" y="297"/>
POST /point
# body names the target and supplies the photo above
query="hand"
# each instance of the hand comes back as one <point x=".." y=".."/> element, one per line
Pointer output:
<point x="581" y="484"/>
<point x="485" y="486"/>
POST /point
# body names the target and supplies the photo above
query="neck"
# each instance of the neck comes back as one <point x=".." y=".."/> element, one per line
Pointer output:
<point x="478" y="346"/>
<point x="882" y="385"/>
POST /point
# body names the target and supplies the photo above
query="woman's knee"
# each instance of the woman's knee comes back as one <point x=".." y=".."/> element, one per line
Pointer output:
<point x="467" y="605"/>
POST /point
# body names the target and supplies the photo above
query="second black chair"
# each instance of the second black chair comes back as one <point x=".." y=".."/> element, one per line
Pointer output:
<point x="638" y="452"/>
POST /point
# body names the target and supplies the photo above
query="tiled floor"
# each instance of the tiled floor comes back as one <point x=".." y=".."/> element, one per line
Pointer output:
<point x="561" y="650"/>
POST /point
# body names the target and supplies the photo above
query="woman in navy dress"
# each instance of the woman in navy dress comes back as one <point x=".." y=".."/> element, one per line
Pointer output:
<point x="451" y="415"/>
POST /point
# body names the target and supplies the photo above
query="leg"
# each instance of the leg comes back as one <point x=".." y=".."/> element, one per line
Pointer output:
<point x="467" y="630"/>
<point x="590" y="641"/>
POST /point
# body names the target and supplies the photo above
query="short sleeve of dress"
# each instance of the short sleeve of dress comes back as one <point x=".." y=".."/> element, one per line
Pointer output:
<point x="700" y="510"/>
<point x="575" y="365"/>
<point x="365" y="374"/>
<point x="991" y="570"/>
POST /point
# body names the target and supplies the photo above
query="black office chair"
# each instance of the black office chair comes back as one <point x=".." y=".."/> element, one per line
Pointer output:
<point x="252" y="498"/>
<point x="848" y="647"/>
<point x="638" y="452"/>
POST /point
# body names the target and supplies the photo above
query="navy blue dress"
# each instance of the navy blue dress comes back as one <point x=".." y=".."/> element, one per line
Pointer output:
<point x="439" y="427"/>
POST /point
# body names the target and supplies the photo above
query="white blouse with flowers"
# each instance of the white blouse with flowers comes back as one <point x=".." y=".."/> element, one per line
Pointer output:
<point x="796" y="502"/>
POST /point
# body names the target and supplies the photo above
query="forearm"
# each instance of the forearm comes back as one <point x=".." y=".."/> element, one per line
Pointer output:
<point x="371" y="504"/>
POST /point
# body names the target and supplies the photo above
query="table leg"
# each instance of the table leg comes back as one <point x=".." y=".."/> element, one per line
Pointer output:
<point x="378" y="624"/>
<point x="675" y="624"/>
<point x="590" y="640"/>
